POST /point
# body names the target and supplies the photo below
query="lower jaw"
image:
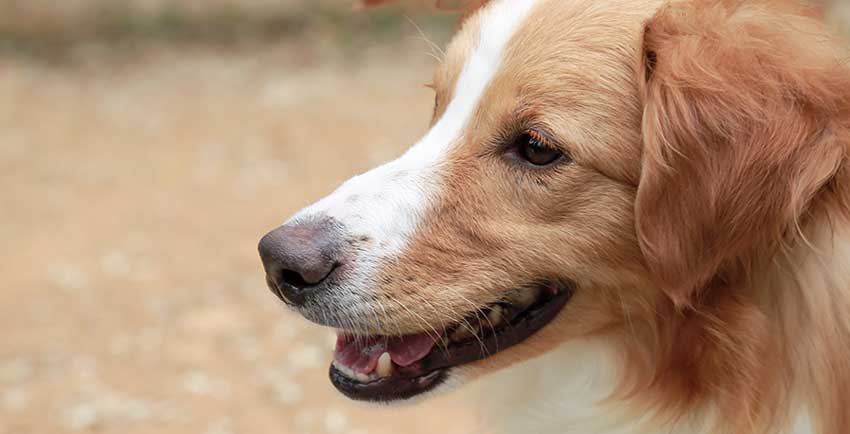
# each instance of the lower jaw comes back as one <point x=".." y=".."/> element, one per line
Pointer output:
<point x="387" y="389"/>
<point x="432" y="371"/>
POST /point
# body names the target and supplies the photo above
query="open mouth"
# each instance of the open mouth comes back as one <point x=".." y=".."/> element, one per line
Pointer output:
<point x="389" y="368"/>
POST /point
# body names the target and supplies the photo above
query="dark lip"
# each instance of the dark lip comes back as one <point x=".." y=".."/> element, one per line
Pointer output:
<point x="431" y="371"/>
<point x="394" y="388"/>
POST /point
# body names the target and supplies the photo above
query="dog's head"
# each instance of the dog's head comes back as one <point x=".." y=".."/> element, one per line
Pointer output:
<point x="590" y="164"/>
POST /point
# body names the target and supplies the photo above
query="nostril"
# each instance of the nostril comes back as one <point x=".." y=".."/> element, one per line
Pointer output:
<point x="294" y="287"/>
<point x="293" y="278"/>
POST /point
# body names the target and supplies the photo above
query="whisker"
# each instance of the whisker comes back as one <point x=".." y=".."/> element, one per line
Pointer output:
<point x="479" y="313"/>
<point x="423" y="320"/>
<point x="435" y="49"/>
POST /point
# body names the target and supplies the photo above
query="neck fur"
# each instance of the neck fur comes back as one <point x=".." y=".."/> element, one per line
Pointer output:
<point x="778" y="362"/>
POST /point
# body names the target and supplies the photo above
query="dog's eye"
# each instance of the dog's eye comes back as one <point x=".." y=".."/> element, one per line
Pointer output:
<point x="534" y="149"/>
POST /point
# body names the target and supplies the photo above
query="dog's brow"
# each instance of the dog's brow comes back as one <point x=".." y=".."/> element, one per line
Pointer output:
<point x="499" y="22"/>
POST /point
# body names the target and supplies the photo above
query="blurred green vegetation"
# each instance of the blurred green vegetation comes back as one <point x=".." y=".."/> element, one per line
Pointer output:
<point x="40" y="28"/>
<point x="54" y="28"/>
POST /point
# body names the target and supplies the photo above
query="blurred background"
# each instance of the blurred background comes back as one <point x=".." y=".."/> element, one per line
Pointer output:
<point x="145" y="146"/>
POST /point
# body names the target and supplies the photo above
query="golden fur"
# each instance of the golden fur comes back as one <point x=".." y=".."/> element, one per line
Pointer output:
<point x="704" y="219"/>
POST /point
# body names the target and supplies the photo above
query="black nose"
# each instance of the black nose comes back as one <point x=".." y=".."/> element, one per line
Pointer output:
<point x="299" y="256"/>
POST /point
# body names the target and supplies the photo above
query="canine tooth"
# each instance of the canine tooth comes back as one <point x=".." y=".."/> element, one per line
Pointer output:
<point x="495" y="316"/>
<point x="385" y="366"/>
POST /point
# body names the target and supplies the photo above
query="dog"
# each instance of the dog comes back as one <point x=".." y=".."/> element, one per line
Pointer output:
<point x="627" y="216"/>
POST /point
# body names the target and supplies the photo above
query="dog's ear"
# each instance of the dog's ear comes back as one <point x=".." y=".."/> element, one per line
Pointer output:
<point x="746" y="108"/>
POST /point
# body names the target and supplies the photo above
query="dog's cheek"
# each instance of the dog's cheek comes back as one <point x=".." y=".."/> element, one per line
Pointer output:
<point x="581" y="227"/>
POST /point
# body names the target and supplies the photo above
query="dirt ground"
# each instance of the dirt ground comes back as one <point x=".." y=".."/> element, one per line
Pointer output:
<point x="134" y="187"/>
<point x="134" y="192"/>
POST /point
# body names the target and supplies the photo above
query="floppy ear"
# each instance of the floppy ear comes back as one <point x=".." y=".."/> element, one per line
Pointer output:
<point x="746" y="112"/>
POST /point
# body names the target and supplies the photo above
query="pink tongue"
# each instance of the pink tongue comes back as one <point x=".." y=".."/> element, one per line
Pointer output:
<point x="362" y="355"/>
<point x="408" y="350"/>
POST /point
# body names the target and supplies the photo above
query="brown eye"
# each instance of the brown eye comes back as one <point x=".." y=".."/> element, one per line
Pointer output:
<point x="534" y="149"/>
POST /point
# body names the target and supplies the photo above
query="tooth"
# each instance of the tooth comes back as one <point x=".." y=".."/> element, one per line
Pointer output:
<point x="463" y="332"/>
<point x="524" y="297"/>
<point x="348" y="372"/>
<point x="459" y="334"/>
<point x="344" y="369"/>
<point x="385" y="366"/>
<point x="495" y="316"/>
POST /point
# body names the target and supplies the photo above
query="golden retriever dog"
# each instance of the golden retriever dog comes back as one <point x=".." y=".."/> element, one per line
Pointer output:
<point x="627" y="216"/>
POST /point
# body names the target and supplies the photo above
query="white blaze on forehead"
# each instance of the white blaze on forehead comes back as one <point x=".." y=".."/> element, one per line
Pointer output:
<point x="386" y="204"/>
<point x="499" y="22"/>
